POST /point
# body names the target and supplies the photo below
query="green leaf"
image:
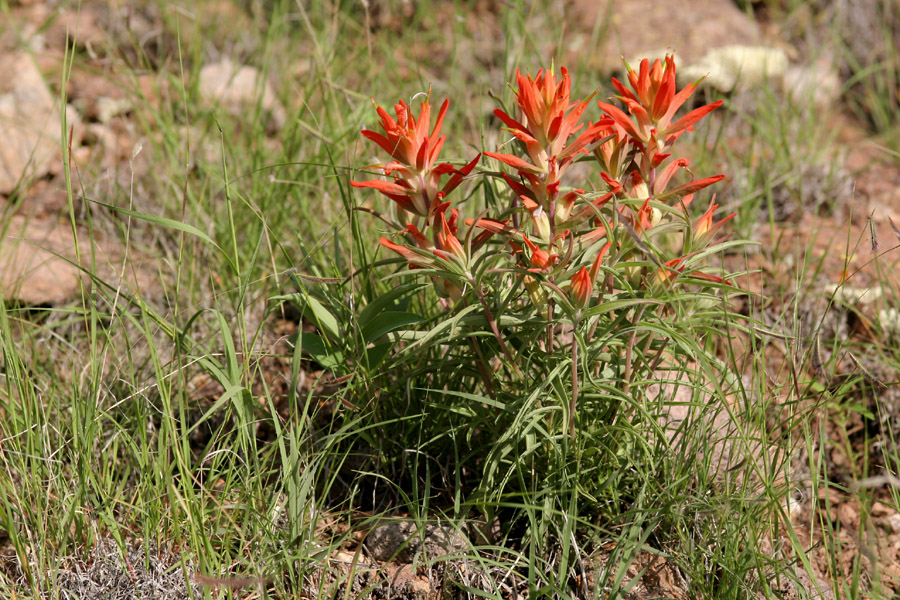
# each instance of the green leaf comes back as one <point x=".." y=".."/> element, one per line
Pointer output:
<point x="231" y="393"/>
<point x="321" y="352"/>
<point x="451" y="324"/>
<point x="170" y="223"/>
<point x="234" y="369"/>
<point x="325" y="319"/>
<point x="385" y="301"/>
<point x="321" y="316"/>
<point x="376" y="355"/>
<point x="387" y="322"/>
<point x="614" y="305"/>
<point x="467" y="396"/>
<point x="862" y="410"/>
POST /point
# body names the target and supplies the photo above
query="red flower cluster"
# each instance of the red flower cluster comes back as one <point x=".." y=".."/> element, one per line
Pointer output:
<point x="416" y="185"/>
<point x="417" y="188"/>
<point x="550" y="120"/>
<point x="567" y="225"/>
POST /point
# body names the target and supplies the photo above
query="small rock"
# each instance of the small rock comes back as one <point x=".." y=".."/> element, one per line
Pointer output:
<point x="889" y="319"/>
<point x="688" y="27"/>
<point x="405" y="583"/>
<point x="46" y="199"/>
<point x="848" y="514"/>
<point x="806" y="586"/>
<point x="894" y="522"/>
<point x="891" y="576"/>
<point x="79" y="26"/>
<point x="344" y="557"/>
<point x="728" y="66"/>
<point x="38" y="266"/>
<point x="109" y="108"/>
<point x="880" y="509"/>
<point x="818" y="83"/>
<point x="102" y="97"/>
<point x="29" y="120"/>
<point x="850" y="296"/>
<point x="237" y="88"/>
<point x="30" y="270"/>
<point x="401" y="541"/>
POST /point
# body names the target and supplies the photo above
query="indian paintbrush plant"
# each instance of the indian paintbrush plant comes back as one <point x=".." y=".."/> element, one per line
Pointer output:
<point x="561" y="297"/>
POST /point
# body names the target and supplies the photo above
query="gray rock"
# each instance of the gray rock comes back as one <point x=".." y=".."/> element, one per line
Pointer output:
<point x="402" y="541"/>
<point x="639" y="28"/>
<point x="817" y="82"/>
<point x="237" y="88"/>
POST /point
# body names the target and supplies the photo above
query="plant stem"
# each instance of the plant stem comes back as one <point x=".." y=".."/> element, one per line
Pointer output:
<point x="574" y="382"/>
<point x="483" y="364"/>
<point x="549" y="325"/>
<point x="629" y="348"/>
<point x="659" y="355"/>
<point x="483" y="367"/>
<point x="495" y="329"/>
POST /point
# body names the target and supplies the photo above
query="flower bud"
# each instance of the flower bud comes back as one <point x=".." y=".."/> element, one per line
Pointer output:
<point x="540" y="259"/>
<point x="446" y="289"/>
<point x="565" y="205"/>
<point x="541" y="224"/>
<point x="641" y="191"/>
<point x="655" y="216"/>
<point x="537" y="293"/>
<point x="581" y="287"/>
<point x="449" y="242"/>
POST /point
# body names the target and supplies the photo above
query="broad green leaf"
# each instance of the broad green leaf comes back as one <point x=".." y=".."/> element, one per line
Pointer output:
<point x="385" y="301"/>
<point x="387" y="322"/>
<point x="322" y="317"/>
<point x="376" y="355"/>
<point x="320" y="351"/>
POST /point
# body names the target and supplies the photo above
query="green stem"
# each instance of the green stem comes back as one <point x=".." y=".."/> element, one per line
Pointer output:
<point x="495" y="329"/>
<point x="549" y="326"/>
<point x="483" y="367"/>
<point x="629" y="349"/>
<point x="574" y="398"/>
<point x="483" y="364"/>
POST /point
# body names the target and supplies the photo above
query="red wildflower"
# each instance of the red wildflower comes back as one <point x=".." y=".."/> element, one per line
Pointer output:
<point x="450" y="244"/>
<point x="540" y="260"/>
<point x="654" y="103"/>
<point x="417" y="177"/>
<point x="550" y="119"/>
<point x="581" y="286"/>
<point x="704" y="228"/>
